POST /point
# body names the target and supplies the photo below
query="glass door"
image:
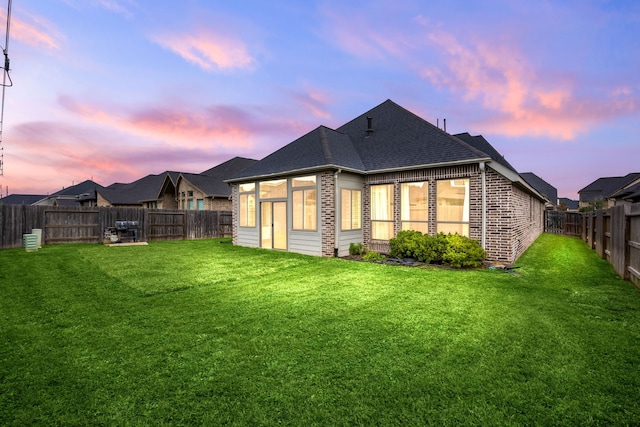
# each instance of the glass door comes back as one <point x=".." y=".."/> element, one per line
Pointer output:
<point x="273" y="220"/>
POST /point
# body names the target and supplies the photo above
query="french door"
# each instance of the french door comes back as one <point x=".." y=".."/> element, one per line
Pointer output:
<point x="273" y="220"/>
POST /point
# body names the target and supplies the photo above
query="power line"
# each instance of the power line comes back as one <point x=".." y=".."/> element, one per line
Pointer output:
<point x="5" y="77"/>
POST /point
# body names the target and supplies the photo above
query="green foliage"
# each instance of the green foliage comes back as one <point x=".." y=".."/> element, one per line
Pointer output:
<point x="373" y="256"/>
<point x="452" y="249"/>
<point x="357" y="249"/>
<point x="463" y="252"/>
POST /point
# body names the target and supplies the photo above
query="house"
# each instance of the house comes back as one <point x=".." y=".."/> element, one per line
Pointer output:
<point x="385" y="171"/>
<point x="599" y="194"/>
<point x="151" y="191"/>
<point x="628" y="194"/>
<point x="207" y="190"/>
<point x="543" y="187"/>
<point x="82" y="194"/>
<point x="566" y="204"/>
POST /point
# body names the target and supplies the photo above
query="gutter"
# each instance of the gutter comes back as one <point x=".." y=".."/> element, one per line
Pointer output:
<point x="483" y="173"/>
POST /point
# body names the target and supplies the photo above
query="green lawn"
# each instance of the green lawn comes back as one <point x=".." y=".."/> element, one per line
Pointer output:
<point x="204" y="333"/>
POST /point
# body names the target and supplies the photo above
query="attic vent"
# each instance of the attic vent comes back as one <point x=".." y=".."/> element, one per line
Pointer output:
<point x="369" y="125"/>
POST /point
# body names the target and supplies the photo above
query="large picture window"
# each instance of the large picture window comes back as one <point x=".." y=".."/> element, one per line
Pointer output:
<point x="453" y="206"/>
<point x="351" y="209"/>
<point x="382" y="212"/>
<point x="276" y="189"/>
<point x="247" y="205"/>
<point x="304" y="195"/>
<point x="414" y="207"/>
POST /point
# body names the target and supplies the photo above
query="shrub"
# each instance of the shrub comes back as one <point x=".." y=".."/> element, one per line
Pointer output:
<point x="463" y="252"/>
<point x="422" y="247"/>
<point x="407" y="244"/>
<point x="356" y="249"/>
<point x="372" y="256"/>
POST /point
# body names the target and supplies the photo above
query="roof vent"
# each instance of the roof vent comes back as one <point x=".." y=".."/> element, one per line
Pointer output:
<point x="369" y="125"/>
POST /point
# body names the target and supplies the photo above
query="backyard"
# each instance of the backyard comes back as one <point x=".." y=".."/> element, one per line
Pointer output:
<point x="206" y="333"/>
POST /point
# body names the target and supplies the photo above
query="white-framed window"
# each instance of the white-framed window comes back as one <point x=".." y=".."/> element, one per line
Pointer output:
<point x="382" y="211"/>
<point x="304" y="197"/>
<point x="453" y="206"/>
<point x="351" y="209"/>
<point x="275" y="189"/>
<point x="414" y="206"/>
<point x="247" y="217"/>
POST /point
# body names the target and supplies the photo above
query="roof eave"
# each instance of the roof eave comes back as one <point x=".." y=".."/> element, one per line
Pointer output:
<point x="294" y="172"/>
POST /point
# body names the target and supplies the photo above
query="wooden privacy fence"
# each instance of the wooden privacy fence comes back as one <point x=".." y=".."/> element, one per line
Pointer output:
<point x="87" y="225"/>
<point x="613" y="233"/>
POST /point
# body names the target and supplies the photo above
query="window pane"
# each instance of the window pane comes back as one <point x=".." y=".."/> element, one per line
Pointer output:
<point x="275" y="189"/>
<point x="345" y="204"/>
<point x="310" y="209"/>
<point x="251" y="210"/>
<point x="200" y="204"/>
<point x="422" y="227"/>
<point x="247" y="187"/>
<point x="356" y="209"/>
<point x="304" y="181"/>
<point x="453" y="200"/>
<point x="461" y="229"/>
<point x="381" y="230"/>
<point x="382" y="202"/>
<point x="415" y="201"/>
<point x="298" y="210"/>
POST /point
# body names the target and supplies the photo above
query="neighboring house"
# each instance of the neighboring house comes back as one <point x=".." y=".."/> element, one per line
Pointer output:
<point x="568" y="204"/>
<point x="543" y="187"/>
<point x="599" y="194"/>
<point x="385" y="171"/>
<point x="207" y="190"/>
<point x="151" y="191"/>
<point x="628" y="194"/>
<point x="83" y="194"/>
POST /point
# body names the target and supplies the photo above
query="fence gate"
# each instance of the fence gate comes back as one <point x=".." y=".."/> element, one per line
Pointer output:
<point x="562" y="222"/>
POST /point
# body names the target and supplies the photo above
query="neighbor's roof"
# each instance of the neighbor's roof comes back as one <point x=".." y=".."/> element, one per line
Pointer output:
<point x="397" y="139"/>
<point x="603" y="188"/>
<point x="22" y="199"/>
<point x="541" y="186"/>
<point x="135" y="193"/>
<point x="212" y="181"/>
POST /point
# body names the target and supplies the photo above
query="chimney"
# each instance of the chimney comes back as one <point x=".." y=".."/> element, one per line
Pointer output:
<point x="445" y="124"/>
<point x="369" y="125"/>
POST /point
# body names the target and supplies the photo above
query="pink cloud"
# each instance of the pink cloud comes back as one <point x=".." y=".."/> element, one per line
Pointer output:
<point x="208" y="50"/>
<point x="34" y="31"/>
<point x="520" y="100"/>
<point x="315" y="101"/>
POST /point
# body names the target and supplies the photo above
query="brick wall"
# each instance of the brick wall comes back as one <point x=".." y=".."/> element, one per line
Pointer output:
<point x="327" y="212"/>
<point x="514" y="218"/>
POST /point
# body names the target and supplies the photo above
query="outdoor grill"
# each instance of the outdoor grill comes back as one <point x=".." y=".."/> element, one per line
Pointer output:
<point x="127" y="230"/>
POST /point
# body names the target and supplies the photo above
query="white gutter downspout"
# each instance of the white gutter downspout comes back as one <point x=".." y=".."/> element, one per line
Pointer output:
<point x="337" y="208"/>
<point x="483" y="173"/>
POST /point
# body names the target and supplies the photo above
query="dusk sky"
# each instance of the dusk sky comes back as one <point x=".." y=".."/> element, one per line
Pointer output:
<point x="113" y="90"/>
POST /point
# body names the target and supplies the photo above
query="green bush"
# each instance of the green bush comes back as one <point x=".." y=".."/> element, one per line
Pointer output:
<point x="451" y="249"/>
<point x="357" y="249"/>
<point x="463" y="252"/>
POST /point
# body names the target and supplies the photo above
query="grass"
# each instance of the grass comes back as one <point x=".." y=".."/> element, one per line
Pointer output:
<point x="203" y="333"/>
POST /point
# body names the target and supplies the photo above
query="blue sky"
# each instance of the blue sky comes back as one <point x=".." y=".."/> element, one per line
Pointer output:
<point x="112" y="90"/>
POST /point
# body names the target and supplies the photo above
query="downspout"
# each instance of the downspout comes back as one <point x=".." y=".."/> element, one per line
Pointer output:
<point x="336" y="200"/>
<point x="483" y="174"/>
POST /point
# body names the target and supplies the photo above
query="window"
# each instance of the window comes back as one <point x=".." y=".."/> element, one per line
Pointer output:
<point x="190" y="193"/>
<point x="247" y="205"/>
<point x="190" y="204"/>
<point x="453" y="206"/>
<point x="304" y="196"/>
<point x="200" y="204"/>
<point x="276" y="189"/>
<point x="414" y="208"/>
<point x="382" y="212"/>
<point x="351" y="204"/>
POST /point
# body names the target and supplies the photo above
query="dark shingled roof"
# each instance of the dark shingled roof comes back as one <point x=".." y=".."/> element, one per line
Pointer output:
<point x="21" y="199"/>
<point x="483" y="145"/>
<point x="603" y="188"/>
<point x="541" y="186"/>
<point x="212" y="181"/>
<point x="396" y="139"/>
<point x="135" y="193"/>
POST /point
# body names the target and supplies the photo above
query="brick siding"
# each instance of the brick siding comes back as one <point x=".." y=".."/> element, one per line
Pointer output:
<point x="327" y="212"/>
